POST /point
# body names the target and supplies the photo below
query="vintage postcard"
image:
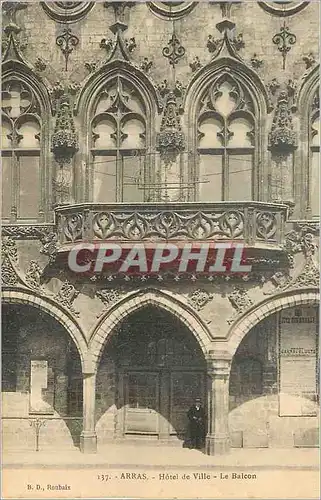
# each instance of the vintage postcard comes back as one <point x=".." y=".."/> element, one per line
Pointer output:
<point x="160" y="249"/>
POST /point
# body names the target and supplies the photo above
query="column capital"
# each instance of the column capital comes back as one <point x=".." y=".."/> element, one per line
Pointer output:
<point x="218" y="364"/>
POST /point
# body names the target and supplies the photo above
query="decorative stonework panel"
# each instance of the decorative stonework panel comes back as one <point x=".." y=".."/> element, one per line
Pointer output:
<point x="287" y="8"/>
<point x="67" y="12"/>
<point x="171" y="10"/>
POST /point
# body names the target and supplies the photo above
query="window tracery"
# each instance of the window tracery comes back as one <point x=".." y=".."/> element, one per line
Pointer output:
<point x="118" y="146"/>
<point x="226" y="141"/>
<point x="21" y="142"/>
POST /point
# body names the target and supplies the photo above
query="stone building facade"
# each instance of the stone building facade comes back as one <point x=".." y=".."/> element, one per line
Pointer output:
<point x="160" y="122"/>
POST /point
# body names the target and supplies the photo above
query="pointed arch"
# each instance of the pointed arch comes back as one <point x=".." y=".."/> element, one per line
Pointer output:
<point x="26" y="154"/>
<point x="228" y="66"/>
<point x="28" y="297"/>
<point x="266" y="308"/>
<point x="124" y="154"/>
<point x="138" y="300"/>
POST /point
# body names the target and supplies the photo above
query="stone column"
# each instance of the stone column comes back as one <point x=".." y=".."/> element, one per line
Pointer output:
<point x="217" y="439"/>
<point x="88" y="437"/>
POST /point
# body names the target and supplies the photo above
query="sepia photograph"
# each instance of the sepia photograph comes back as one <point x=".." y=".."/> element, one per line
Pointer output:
<point x="160" y="249"/>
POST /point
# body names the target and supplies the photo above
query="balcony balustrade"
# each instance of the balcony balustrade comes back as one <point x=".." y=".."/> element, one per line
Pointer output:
<point x="255" y="224"/>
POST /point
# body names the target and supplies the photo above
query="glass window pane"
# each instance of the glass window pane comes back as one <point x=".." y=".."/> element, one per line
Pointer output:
<point x="6" y="185"/>
<point x="133" y="179"/>
<point x="29" y="130"/>
<point x="240" y="177"/>
<point x="210" y="128"/>
<point x="104" y="185"/>
<point x="29" y="187"/>
<point x="104" y="137"/>
<point x="210" y="187"/>
<point x="135" y="130"/>
<point x="315" y="183"/>
<point x="240" y="128"/>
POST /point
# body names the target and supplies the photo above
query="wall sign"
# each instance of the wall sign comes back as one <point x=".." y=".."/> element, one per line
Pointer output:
<point x="297" y="362"/>
<point x="41" y="388"/>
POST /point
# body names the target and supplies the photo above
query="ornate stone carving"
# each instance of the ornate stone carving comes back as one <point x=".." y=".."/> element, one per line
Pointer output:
<point x="11" y="274"/>
<point x="170" y="139"/>
<point x="189" y="223"/>
<point x="91" y="66"/>
<point x="64" y="141"/>
<point x="309" y="60"/>
<point x="284" y="41"/>
<point x="195" y="64"/>
<point x="282" y="138"/>
<point x="50" y="246"/>
<point x="227" y="29"/>
<point x="283" y="9"/>
<point x="67" y="12"/>
<point x="302" y="239"/>
<point x="171" y="10"/>
<point x="40" y="64"/>
<point x="67" y="41"/>
<point x="240" y="301"/>
<point x="146" y="65"/>
<point x="64" y="144"/>
<point x="24" y="232"/>
<point x="33" y="275"/>
<point x="109" y="297"/>
<point x="199" y="298"/>
<point x="256" y="62"/>
<point x="174" y="51"/>
<point x="66" y="296"/>
<point x="56" y="92"/>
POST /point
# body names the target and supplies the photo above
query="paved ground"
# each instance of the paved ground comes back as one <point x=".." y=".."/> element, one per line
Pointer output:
<point x="133" y="456"/>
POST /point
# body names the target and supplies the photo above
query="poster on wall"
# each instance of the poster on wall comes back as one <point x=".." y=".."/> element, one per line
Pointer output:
<point x="297" y="362"/>
<point x="41" y="388"/>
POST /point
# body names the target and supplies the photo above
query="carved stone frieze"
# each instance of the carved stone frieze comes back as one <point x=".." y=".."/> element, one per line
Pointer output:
<point x="282" y="138"/>
<point x="50" y="246"/>
<point x="170" y="139"/>
<point x="302" y="239"/>
<point x="66" y="296"/>
<point x="33" y="275"/>
<point x="67" y="12"/>
<point x="199" y="298"/>
<point x="261" y="223"/>
<point x="240" y="301"/>
<point x="110" y="296"/>
<point x="11" y="274"/>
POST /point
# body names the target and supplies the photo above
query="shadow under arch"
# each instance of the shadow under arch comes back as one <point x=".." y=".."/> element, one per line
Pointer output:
<point x="31" y="334"/>
<point x="138" y="300"/>
<point x="267" y="307"/>
<point x="149" y="374"/>
<point x="47" y="305"/>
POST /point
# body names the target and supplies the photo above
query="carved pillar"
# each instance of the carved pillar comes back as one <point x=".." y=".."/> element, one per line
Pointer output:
<point x="88" y="437"/>
<point x="282" y="143"/>
<point x="217" y="439"/>
<point x="64" y="146"/>
<point x="170" y="144"/>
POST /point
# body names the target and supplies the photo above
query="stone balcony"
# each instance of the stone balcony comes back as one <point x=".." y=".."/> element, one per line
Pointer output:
<point x="256" y="224"/>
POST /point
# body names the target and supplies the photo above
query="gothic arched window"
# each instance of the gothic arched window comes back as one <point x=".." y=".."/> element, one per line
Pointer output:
<point x="314" y="145"/>
<point x="21" y="151"/>
<point x="118" y="146"/>
<point x="226" y="142"/>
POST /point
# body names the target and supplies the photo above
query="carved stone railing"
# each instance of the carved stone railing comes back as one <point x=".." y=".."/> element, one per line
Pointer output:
<point x="253" y="223"/>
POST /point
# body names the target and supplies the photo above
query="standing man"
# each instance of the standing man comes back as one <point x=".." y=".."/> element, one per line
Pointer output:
<point x="196" y="417"/>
